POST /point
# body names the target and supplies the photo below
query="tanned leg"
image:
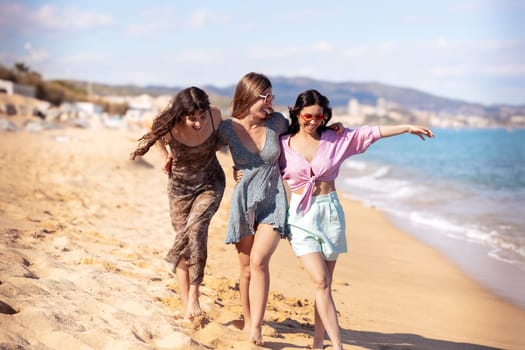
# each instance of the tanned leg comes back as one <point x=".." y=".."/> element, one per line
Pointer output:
<point x="319" y="330"/>
<point x="194" y="308"/>
<point x="318" y="342"/>
<point x="183" y="282"/>
<point x="244" y="248"/>
<point x="321" y="276"/>
<point x="265" y="242"/>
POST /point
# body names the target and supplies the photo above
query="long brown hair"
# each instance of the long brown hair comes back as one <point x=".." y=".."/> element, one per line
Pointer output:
<point x="186" y="102"/>
<point x="247" y="92"/>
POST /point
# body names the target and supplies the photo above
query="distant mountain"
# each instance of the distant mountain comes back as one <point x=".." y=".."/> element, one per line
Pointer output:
<point x="339" y="94"/>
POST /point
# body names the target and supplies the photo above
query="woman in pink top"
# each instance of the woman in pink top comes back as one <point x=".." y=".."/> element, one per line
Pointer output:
<point x="311" y="156"/>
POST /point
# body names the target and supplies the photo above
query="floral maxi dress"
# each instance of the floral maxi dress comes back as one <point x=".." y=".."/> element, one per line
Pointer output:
<point x="195" y="189"/>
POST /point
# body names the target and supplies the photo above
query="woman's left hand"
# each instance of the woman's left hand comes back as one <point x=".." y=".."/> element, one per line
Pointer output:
<point x="338" y="127"/>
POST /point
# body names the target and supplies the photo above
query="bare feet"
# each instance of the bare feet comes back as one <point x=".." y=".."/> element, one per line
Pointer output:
<point x="190" y="316"/>
<point x="193" y="309"/>
<point x="256" y="337"/>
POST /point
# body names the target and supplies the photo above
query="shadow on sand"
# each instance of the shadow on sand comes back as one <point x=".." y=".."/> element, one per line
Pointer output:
<point x="377" y="340"/>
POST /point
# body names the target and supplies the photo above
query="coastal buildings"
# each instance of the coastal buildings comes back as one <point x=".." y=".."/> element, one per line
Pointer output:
<point x="140" y="110"/>
<point x="385" y="112"/>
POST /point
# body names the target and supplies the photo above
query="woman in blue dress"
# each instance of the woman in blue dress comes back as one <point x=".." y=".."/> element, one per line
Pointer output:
<point x="258" y="204"/>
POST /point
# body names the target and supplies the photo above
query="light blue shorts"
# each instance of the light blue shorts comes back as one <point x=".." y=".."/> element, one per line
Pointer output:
<point x="321" y="229"/>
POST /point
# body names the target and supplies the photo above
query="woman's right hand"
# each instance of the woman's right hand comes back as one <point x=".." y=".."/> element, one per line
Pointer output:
<point x="167" y="165"/>
<point x="237" y="174"/>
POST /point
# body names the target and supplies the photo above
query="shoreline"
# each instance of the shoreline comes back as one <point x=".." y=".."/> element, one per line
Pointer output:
<point x="473" y="258"/>
<point x="85" y="231"/>
<point x="500" y="277"/>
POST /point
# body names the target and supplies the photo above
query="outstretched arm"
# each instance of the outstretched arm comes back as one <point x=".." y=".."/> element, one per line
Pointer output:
<point x="393" y="130"/>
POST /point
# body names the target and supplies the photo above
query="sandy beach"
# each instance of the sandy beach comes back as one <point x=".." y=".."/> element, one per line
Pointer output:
<point x="84" y="232"/>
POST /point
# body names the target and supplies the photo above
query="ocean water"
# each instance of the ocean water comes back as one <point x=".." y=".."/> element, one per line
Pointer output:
<point x="462" y="192"/>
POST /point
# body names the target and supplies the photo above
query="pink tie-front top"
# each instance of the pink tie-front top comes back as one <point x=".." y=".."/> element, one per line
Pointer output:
<point x="333" y="149"/>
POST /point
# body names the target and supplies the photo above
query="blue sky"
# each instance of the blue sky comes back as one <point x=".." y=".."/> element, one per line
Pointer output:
<point x="470" y="50"/>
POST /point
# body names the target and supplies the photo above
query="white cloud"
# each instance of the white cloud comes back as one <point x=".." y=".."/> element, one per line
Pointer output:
<point x="153" y="20"/>
<point x="202" y="18"/>
<point x="165" y="18"/>
<point x="49" y="16"/>
<point x="199" y="18"/>
<point x="386" y="46"/>
<point x="442" y="43"/>
<point x="21" y="18"/>
<point x="323" y="46"/>
<point x="355" y="51"/>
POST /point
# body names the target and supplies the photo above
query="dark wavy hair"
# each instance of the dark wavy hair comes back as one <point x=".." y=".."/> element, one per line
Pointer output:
<point x="186" y="102"/>
<point x="305" y="99"/>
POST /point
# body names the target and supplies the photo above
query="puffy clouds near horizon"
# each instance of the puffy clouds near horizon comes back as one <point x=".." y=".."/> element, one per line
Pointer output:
<point x="472" y="51"/>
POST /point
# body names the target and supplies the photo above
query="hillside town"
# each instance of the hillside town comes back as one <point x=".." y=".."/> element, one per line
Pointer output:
<point x="386" y="112"/>
<point x="17" y="99"/>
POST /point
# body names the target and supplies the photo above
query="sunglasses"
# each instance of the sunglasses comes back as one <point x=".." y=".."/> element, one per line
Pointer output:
<point x="267" y="98"/>
<point x="309" y="117"/>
